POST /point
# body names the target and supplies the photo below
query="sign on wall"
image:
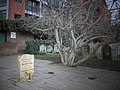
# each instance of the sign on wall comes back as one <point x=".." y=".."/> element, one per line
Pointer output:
<point x="13" y="34"/>
<point x="26" y="67"/>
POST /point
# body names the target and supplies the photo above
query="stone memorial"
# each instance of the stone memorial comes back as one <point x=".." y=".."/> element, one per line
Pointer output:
<point x="49" y="48"/>
<point x="42" y="49"/>
<point x="26" y="67"/>
<point x="55" y="48"/>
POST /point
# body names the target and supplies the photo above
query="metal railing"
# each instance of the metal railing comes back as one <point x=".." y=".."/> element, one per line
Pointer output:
<point x="109" y="52"/>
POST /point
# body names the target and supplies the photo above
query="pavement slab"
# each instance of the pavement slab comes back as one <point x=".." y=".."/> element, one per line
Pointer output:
<point x="55" y="76"/>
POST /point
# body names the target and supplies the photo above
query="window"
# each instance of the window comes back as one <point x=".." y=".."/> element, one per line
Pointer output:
<point x="3" y="3"/>
<point x="19" y="1"/>
<point x="29" y="5"/>
<point x="32" y="6"/>
<point x="17" y="16"/>
<point x="3" y="14"/>
<point x="2" y="38"/>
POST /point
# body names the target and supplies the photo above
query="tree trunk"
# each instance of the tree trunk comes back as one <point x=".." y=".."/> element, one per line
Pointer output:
<point x="91" y="54"/>
<point x="67" y="58"/>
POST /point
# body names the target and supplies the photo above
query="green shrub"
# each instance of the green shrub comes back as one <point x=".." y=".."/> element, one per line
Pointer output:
<point x="32" y="46"/>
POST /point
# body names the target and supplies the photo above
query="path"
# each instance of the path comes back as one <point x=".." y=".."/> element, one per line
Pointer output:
<point x="62" y="78"/>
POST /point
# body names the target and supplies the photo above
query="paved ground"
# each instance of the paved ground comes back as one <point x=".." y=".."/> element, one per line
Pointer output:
<point x="102" y="64"/>
<point x="64" y="78"/>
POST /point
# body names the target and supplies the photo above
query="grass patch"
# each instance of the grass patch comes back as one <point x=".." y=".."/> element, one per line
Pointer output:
<point x="116" y="58"/>
<point x="55" y="57"/>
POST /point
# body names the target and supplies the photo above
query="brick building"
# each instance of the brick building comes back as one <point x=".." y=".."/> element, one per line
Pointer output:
<point x="13" y="42"/>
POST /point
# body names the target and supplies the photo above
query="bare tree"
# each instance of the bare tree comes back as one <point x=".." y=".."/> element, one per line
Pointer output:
<point x="75" y="25"/>
<point x="114" y="7"/>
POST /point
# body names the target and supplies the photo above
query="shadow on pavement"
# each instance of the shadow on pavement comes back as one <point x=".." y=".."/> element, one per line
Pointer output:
<point x="102" y="64"/>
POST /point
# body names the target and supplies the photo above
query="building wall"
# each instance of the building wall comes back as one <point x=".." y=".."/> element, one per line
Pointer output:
<point x="15" y="45"/>
<point x="8" y="49"/>
<point x="16" y="8"/>
<point x="101" y="9"/>
<point x="20" y="39"/>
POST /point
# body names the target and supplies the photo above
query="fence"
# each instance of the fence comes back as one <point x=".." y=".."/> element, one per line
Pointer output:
<point x="109" y="52"/>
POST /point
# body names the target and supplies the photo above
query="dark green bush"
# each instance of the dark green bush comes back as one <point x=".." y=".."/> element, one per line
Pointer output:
<point x="32" y="46"/>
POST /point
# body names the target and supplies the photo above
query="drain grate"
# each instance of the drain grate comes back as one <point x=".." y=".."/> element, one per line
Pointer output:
<point x="92" y="78"/>
<point x="50" y="72"/>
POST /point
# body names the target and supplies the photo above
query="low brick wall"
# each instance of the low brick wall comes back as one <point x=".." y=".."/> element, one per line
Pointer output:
<point x="8" y="48"/>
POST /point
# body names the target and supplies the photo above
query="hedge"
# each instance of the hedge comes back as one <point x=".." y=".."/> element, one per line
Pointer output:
<point x="32" y="46"/>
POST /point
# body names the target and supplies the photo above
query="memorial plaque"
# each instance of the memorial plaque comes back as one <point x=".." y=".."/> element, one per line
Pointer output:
<point x="26" y="67"/>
